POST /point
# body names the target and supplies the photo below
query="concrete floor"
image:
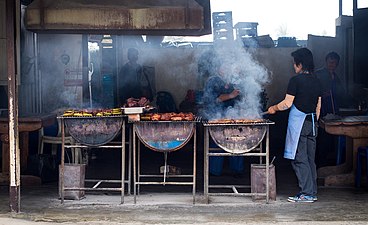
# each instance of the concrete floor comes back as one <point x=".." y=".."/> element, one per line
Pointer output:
<point x="335" y="206"/>
<point x="172" y="205"/>
<point x="167" y="205"/>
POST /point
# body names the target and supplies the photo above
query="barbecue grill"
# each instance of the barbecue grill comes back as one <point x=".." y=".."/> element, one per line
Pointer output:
<point x="236" y="138"/>
<point x="165" y="137"/>
<point x="96" y="132"/>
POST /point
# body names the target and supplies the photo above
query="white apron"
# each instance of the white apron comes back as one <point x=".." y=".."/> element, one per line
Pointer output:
<point x="295" y="124"/>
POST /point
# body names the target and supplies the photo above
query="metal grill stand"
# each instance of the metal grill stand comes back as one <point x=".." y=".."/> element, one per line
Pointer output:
<point x="255" y="151"/>
<point x="114" y="145"/>
<point x="150" y="178"/>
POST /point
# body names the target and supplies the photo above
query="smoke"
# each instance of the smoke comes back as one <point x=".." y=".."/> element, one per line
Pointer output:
<point x="176" y="70"/>
<point x="247" y="75"/>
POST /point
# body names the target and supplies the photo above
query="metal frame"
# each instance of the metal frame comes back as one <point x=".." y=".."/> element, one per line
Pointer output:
<point x="208" y="154"/>
<point x="137" y="172"/>
<point x="117" y="145"/>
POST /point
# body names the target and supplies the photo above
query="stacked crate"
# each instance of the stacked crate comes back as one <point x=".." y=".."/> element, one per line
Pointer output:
<point x="222" y="23"/>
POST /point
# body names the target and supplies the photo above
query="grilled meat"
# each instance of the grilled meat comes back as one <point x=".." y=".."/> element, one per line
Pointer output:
<point x="235" y="121"/>
<point x="135" y="102"/>
<point x="168" y="116"/>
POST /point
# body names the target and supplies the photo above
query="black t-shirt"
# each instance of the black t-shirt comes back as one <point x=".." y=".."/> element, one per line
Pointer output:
<point x="306" y="88"/>
<point x="129" y="82"/>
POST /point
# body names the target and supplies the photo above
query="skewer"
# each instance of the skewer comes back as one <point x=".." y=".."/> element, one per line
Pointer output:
<point x="264" y="113"/>
<point x="273" y="159"/>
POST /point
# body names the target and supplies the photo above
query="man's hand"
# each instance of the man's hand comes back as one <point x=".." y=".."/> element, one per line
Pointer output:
<point x="235" y="93"/>
<point x="226" y="97"/>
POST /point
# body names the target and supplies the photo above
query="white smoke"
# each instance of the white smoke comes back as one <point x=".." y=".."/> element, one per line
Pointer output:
<point x="247" y="75"/>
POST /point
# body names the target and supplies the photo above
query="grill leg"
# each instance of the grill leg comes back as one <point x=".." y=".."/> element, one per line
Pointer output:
<point x="130" y="162"/>
<point x="267" y="166"/>
<point x="206" y="168"/>
<point x="194" y="163"/>
<point x="122" y="162"/>
<point x="139" y="165"/>
<point x="62" y="161"/>
<point x="261" y="150"/>
<point x="134" y="167"/>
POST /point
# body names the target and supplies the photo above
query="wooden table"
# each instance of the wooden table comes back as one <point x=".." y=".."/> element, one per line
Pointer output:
<point x="355" y="128"/>
<point x="26" y="124"/>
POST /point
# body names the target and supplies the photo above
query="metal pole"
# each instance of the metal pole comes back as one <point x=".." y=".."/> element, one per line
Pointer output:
<point x="194" y="162"/>
<point x="267" y="166"/>
<point x="355" y="6"/>
<point x="130" y="161"/>
<point x="260" y="151"/>
<point x="134" y="166"/>
<point x="138" y="163"/>
<point x="122" y="161"/>
<point x="205" y="170"/>
<point x="62" y="160"/>
<point x="90" y="73"/>
<point x="38" y="80"/>
<point x="14" y="186"/>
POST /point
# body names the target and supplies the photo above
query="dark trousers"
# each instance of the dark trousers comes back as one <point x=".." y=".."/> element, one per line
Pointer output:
<point x="303" y="164"/>
<point x="216" y="163"/>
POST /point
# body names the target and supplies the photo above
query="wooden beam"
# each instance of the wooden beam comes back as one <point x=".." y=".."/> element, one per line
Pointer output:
<point x="165" y="17"/>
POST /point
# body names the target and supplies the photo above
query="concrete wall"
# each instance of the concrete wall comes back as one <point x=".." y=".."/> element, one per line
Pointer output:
<point x="176" y="69"/>
<point x="60" y="65"/>
<point x="279" y="64"/>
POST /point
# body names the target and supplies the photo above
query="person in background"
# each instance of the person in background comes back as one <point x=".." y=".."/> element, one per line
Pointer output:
<point x="334" y="96"/>
<point x="218" y="95"/>
<point x="303" y="96"/>
<point x="132" y="81"/>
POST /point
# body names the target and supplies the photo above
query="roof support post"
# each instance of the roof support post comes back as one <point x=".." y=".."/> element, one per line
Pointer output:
<point x="14" y="170"/>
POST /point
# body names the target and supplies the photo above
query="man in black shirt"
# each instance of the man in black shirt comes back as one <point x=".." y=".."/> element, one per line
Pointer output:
<point x="132" y="81"/>
<point x="303" y="96"/>
<point x="334" y="94"/>
<point x="334" y="97"/>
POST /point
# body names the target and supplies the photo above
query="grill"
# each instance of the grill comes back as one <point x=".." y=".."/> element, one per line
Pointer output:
<point x="163" y="137"/>
<point x="94" y="130"/>
<point x="236" y="138"/>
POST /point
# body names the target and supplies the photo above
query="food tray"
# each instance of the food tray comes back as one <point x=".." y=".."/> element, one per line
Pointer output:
<point x="132" y="110"/>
